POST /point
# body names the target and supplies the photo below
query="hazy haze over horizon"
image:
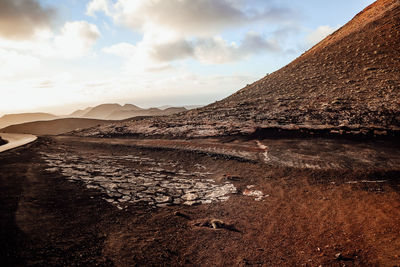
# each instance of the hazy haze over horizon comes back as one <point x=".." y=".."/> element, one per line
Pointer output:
<point x="58" y="57"/>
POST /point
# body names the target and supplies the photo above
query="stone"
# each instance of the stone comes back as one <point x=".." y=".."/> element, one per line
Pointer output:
<point x="163" y="199"/>
<point x="191" y="203"/>
<point x="190" y="197"/>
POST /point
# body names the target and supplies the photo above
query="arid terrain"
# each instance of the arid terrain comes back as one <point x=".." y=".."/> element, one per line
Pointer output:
<point x="122" y="202"/>
<point x="301" y="168"/>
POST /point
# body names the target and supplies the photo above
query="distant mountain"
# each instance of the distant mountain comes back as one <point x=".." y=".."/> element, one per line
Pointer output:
<point x="11" y="119"/>
<point x="102" y="111"/>
<point x="193" y="106"/>
<point x="80" y="112"/>
<point x="118" y="112"/>
<point x="125" y="114"/>
<point x="189" y="107"/>
<point x="349" y="83"/>
<point x="53" y="127"/>
<point x="129" y="107"/>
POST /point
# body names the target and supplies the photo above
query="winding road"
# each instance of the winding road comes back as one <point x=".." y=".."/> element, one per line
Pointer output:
<point x="15" y="140"/>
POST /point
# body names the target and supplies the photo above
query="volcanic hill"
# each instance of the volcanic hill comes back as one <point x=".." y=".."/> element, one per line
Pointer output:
<point x="349" y="83"/>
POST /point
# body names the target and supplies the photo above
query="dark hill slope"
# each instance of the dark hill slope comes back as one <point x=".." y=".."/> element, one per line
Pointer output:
<point x="348" y="83"/>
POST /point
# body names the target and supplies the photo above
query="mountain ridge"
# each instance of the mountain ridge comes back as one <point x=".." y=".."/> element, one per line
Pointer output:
<point x="100" y="112"/>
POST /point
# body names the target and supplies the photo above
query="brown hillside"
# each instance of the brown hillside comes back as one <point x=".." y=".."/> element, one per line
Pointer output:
<point x="53" y="127"/>
<point x="10" y="119"/>
<point x="348" y="83"/>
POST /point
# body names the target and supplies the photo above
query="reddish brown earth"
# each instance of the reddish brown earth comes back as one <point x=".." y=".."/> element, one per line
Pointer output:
<point x="308" y="218"/>
<point x="347" y="84"/>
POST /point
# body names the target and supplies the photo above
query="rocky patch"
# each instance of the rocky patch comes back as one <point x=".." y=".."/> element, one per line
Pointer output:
<point x="133" y="179"/>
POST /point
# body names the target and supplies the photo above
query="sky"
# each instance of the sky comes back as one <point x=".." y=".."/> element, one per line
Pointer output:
<point x="58" y="56"/>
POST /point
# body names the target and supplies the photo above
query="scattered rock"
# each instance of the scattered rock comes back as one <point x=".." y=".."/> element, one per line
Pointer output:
<point x="215" y="224"/>
<point x="254" y="193"/>
<point x="157" y="186"/>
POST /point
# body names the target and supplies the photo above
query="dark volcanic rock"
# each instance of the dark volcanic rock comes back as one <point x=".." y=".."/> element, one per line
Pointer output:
<point x="347" y="84"/>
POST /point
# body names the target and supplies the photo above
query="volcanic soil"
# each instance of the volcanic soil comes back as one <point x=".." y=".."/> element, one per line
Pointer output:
<point x="70" y="201"/>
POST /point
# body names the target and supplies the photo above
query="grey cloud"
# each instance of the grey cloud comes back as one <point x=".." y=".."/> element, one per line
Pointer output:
<point x="20" y="18"/>
<point x="274" y="14"/>
<point x="254" y="43"/>
<point x="195" y="16"/>
<point x="172" y="51"/>
<point x="192" y="17"/>
<point x="215" y="50"/>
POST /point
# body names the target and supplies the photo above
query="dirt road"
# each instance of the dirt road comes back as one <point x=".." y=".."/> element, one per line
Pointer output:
<point x="15" y="140"/>
<point x="74" y="201"/>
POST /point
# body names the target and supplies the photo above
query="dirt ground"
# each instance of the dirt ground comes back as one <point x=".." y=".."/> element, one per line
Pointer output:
<point x="308" y="217"/>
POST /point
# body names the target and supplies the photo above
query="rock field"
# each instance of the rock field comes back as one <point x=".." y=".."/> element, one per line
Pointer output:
<point x="133" y="179"/>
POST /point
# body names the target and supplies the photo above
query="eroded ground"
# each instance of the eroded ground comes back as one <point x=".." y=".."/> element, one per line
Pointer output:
<point x="76" y="201"/>
<point x="135" y="178"/>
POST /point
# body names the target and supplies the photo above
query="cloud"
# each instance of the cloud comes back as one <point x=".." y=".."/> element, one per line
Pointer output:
<point x="319" y="34"/>
<point x="14" y="63"/>
<point x="187" y="17"/>
<point x="121" y="49"/>
<point x="172" y="50"/>
<point x="218" y="51"/>
<point x="254" y="43"/>
<point x="97" y="5"/>
<point x="180" y="29"/>
<point x="76" y="39"/>
<point x="213" y="50"/>
<point x="22" y="58"/>
<point x="19" y="19"/>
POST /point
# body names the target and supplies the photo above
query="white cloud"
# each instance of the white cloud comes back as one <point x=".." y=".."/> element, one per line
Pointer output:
<point x="13" y="63"/>
<point x="76" y="39"/>
<point x="217" y="50"/>
<point x="186" y="17"/>
<point x="121" y="49"/>
<point x="319" y="34"/>
<point x="179" y="29"/>
<point x="97" y="5"/>
<point x="214" y="50"/>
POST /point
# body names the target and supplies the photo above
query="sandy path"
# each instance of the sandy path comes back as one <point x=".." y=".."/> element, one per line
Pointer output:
<point x="15" y="140"/>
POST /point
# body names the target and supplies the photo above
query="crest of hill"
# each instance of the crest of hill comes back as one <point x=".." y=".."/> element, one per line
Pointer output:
<point x="126" y="113"/>
<point x="348" y="83"/>
<point x="10" y="119"/>
<point x="53" y="127"/>
<point x="118" y="112"/>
